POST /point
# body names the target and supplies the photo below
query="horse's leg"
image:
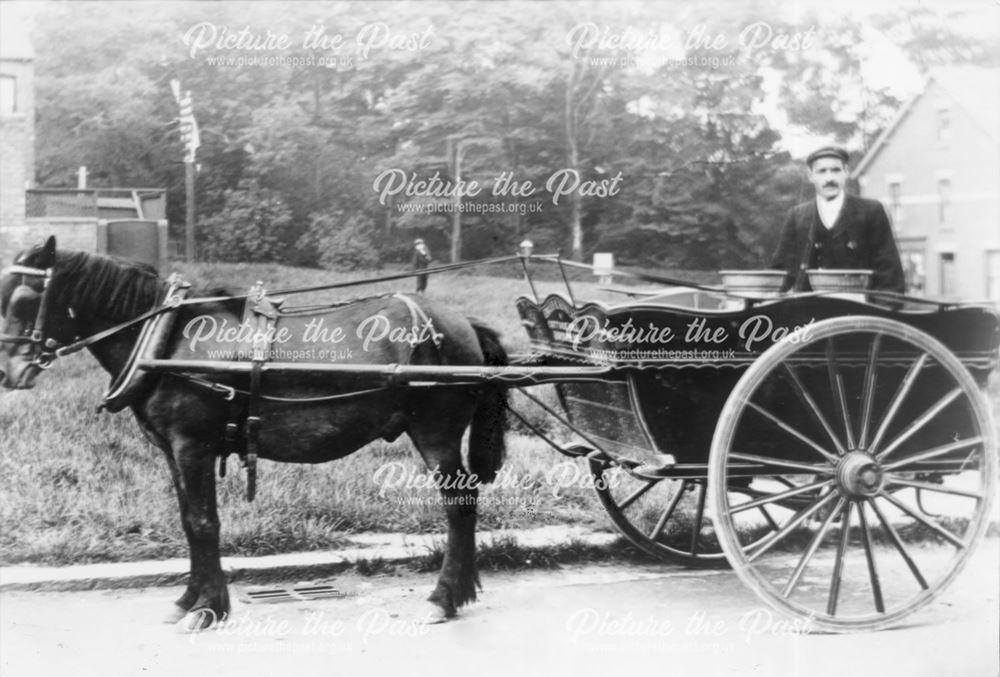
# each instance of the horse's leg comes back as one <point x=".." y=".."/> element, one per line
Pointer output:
<point x="191" y="593"/>
<point x="190" y="596"/>
<point x="206" y="599"/>
<point x="458" y="579"/>
<point x="187" y="600"/>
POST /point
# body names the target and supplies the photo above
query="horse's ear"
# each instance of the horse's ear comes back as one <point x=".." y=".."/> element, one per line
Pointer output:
<point x="49" y="251"/>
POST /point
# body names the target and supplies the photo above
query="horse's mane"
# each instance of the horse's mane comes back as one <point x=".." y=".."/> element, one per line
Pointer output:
<point x="105" y="286"/>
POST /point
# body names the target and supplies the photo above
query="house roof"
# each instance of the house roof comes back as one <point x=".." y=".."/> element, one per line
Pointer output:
<point x="977" y="91"/>
<point x="973" y="89"/>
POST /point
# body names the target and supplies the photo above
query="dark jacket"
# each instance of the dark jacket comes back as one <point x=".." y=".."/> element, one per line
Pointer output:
<point x="860" y="238"/>
<point x="420" y="260"/>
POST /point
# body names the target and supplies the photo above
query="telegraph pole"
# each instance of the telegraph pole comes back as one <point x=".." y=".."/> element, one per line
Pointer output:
<point x="191" y="139"/>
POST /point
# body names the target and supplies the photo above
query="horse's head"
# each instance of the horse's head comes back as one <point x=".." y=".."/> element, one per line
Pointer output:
<point x="31" y="326"/>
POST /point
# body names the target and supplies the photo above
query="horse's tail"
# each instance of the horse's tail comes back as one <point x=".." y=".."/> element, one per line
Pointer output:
<point x="486" y="434"/>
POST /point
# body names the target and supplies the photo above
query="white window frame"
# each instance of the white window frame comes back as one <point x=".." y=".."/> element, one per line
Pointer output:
<point x="8" y="87"/>
<point x="945" y="199"/>
<point x="992" y="281"/>
<point x="942" y="132"/>
<point x="895" y="202"/>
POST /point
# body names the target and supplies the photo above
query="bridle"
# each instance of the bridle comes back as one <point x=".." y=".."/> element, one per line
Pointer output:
<point x="34" y="332"/>
<point x="47" y="350"/>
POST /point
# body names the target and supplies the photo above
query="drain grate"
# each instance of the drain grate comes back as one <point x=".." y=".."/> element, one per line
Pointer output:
<point x="298" y="593"/>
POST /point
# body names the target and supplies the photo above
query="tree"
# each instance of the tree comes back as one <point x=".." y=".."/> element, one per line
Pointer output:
<point x="253" y="225"/>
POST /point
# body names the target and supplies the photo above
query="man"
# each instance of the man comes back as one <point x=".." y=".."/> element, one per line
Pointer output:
<point x="837" y="230"/>
<point x="421" y="259"/>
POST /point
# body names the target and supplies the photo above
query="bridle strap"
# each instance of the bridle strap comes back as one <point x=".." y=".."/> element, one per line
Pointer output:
<point x="172" y="301"/>
<point x="26" y="270"/>
<point x="36" y="332"/>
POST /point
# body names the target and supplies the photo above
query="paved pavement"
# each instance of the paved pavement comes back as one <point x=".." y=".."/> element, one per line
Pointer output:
<point x="581" y="620"/>
<point x="369" y="547"/>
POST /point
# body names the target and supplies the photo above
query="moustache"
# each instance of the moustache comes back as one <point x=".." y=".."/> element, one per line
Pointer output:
<point x="831" y="184"/>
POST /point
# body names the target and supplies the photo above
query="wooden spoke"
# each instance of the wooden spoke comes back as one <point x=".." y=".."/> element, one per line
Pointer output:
<point x="810" y="404"/>
<point x="868" y="395"/>
<point x="793" y="524"/>
<point x="838" y="564"/>
<point x="811" y="550"/>
<point x="932" y="453"/>
<point x="914" y="408"/>
<point x="783" y="463"/>
<point x="665" y="517"/>
<point x="927" y="486"/>
<point x="897" y="399"/>
<point x="771" y="498"/>
<point x="636" y="494"/>
<point x="919" y="423"/>
<point x="898" y="542"/>
<point x="837" y="385"/>
<point x="767" y="516"/>
<point x="792" y="431"/>
<point x="866" y="540"/>
<point x="698" y="517"/>
<point x="945" y="534"/>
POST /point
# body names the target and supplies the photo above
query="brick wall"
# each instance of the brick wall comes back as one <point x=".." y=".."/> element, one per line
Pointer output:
<point x="13" y="133"/>
<point x="918" y="158"/>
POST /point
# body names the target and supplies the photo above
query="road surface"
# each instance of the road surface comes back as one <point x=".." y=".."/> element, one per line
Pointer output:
<point x="580" y="620"/>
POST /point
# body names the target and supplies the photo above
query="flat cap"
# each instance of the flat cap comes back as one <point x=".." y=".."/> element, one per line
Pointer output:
<point x="827" y="151"/>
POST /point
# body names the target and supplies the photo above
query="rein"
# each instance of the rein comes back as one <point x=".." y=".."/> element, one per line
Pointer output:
<point x="52" y="350"/>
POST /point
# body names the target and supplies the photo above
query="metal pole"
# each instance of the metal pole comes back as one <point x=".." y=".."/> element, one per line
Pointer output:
<point x="402" y="374"/>
<point x="189" y="246"/>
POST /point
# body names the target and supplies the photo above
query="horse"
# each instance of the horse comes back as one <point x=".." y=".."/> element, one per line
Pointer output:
<point x="52" y="297"/>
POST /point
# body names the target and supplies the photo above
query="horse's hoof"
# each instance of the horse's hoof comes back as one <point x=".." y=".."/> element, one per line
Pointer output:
<point x="197" y="620"/>
<point x="433" y="614"/>
<point x="175" y="615"/>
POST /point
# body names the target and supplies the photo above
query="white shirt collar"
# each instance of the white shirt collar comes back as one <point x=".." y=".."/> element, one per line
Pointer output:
<point x="829" y="209"/>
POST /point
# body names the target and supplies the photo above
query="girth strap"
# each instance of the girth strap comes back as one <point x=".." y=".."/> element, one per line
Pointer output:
<point x="263" y="313"/>
<point x="252" y="430"/>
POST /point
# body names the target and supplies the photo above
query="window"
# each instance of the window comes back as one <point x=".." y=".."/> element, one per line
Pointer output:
<point x="895" y="204"/>
<point x="947" y="278"/>
<point x="8" y="94"/>
<point x="943" y="124"/>
<point x="944" y="199"/>
<point x="913" y="269"/>
<point x="993" y="275"/>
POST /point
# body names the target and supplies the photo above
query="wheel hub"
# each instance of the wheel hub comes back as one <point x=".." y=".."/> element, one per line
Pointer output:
<point x="859" y="475"/>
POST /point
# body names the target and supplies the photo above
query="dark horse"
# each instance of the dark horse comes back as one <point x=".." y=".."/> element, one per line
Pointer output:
<point x="89" y="293"/>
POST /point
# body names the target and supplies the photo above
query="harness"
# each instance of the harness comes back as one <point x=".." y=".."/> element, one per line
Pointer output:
<point x="33" y="331"/>
<point x="47" y="350"/>
<point x="241" y="435"/>
<point x="262" y="312"/>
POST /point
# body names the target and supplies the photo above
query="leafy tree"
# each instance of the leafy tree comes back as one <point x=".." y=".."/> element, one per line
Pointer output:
<point x="704" y="182"/>
<point x="343" y="242"/>
<point x="253" y="225"/>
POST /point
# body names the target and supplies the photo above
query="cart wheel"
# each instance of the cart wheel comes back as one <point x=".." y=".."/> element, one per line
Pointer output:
<point x="667" y="518"/>
<point x="895" y="454"/>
